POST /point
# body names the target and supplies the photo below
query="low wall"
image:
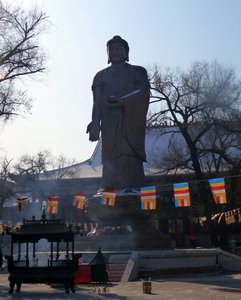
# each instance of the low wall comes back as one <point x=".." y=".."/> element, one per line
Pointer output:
<point x="123" y="242"/>
<point x="177" y="261"/>
<point x="229" y="261"/>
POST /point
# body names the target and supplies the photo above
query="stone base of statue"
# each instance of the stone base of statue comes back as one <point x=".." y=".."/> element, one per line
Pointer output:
<point x="125" y="226"/>
<point x="123" y="242"/>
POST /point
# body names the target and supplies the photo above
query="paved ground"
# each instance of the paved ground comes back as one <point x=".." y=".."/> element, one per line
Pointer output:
<point x="188" y="287"/>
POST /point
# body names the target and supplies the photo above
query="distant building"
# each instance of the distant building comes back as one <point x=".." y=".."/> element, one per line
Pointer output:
<point x="156" y="144"/>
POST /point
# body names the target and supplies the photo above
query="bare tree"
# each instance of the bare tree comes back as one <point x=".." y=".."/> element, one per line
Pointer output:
<point x="43" y="165"/>
<point x="24" y="178"/>
<point x="6" y="186"/>
<point x="32" y="172"/>
<point x="5" y="168"/>
<point x="63" y="167"/>
<point x="31" y="166"/>
<point x="20" y="56"/>
<point x="195" y="102"/>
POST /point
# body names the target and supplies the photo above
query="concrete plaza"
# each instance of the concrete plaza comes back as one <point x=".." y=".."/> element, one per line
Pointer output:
<point x="207" y="286"/>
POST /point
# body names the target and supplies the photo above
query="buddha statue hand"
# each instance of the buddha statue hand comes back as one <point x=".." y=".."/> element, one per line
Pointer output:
<point x="94" y="132"/>
<point x="115" y="102"/>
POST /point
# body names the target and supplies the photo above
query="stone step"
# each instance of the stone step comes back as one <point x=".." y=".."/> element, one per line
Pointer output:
<point x="115" y="272"/>
<point x="120" y="264"/>
<point x="115" y="276"/>
<point x="120" y="261"/>
<point x="114" y="259"/>
<point x="117" y="266"/>
<point x="121" y="256"/>
<point x="115" y="279"/>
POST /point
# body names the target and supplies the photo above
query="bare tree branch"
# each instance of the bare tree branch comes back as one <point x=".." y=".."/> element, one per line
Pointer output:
<point x="201" y="104"/>
<point x="20" y="55"/>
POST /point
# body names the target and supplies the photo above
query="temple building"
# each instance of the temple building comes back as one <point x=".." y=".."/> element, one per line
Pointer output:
<point x="156" y="143"/>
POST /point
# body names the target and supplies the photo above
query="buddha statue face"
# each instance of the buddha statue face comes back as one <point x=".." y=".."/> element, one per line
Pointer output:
<point x="116" y="53"/>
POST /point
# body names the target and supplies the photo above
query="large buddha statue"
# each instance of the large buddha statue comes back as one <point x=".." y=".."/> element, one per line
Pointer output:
<point x="121" y="95"/>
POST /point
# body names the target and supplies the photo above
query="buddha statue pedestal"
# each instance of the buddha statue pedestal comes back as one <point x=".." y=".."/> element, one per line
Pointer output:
<point x="145" y="233"/>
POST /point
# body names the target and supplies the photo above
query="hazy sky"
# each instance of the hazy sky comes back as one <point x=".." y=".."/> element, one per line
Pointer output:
<point x="170" y="33"/>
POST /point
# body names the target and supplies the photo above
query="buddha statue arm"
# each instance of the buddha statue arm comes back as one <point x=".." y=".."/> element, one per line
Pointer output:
<point x="94" y="127"/>
<point x="141" y="89"/>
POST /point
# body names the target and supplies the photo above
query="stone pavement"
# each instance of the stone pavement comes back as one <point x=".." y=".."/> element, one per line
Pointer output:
<point x="179" y="287"/>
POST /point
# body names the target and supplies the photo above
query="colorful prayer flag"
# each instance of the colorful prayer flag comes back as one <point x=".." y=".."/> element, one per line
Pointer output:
<point x="148" y="197"/>
<point x="181" y="194"/>
<point x="218" y="190"/>
<point x="108" y="198"/>
<point x="52" y="207"/>
<point x="79" y="200"/>
<point x="229" y="217"/>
